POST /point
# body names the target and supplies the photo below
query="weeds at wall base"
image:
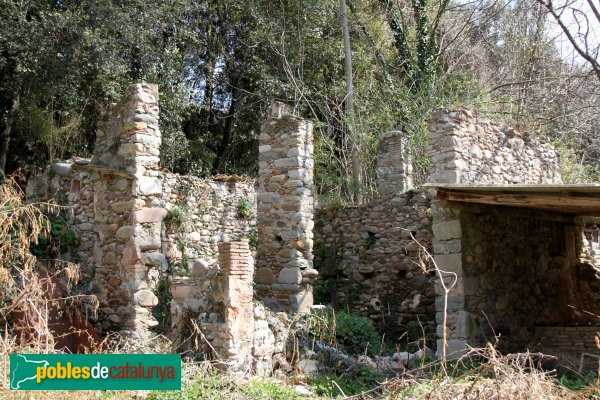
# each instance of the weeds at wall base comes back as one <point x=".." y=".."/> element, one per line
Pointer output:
<point x="483" y="374"/>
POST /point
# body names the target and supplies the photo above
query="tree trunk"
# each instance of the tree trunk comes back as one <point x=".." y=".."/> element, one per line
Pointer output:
<point x="354" y="156"/>
<point x="221" y="159"/>
<point x="5" y="137"/>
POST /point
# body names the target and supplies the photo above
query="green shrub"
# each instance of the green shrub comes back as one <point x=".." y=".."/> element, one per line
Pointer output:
<point x="59" y="239"/>
<point x="352" y="334"/>
<point x="244" y="208"/>
<point x="253" y="238"/>
<point x="355" y="333"/>
<point x="574" y="380"/>
<point x="162" y="312"/>
<point x="176" y="216"/>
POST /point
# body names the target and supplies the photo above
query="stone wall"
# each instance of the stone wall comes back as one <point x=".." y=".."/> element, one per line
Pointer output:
<point x="569" y="342"/>
<point x="139" y="226"/>
<point x="285" y="270"/>
<point x="204" y="213"/>
<point x="513" y="268"/>
<point x="467" y="148"/>
<point x="366" y="258"/>
<point x="121" y="204"/>
<point x="394" y="169"/>
<point x="69" y="183"/>
<point x="220" y="300"/>
<point x="518" y="271"/>
<point x="510" y="277"/>
<point x="116" y="209"/>
<point x="369" y="264"/>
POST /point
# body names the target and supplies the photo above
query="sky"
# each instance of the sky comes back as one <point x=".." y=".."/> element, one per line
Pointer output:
<point x="580" y="20"/>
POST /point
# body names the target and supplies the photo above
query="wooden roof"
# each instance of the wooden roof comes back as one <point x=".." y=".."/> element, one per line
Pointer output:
<point x="576" y="199"/>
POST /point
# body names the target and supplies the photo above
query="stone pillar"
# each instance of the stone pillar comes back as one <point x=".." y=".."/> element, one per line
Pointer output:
<point x="394" y="169"/>
<point x="127" y="210"/>
<point x="237" y="270"/>
<point x="285" y="212"/>
<point x="447" y="244"/>
<point x="148" y="212"/>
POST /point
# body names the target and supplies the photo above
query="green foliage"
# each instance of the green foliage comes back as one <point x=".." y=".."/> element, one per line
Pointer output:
<point x="218" y="66"/>
<point x="176" y="216"/>
<point x="59" y="239"/>
<point x="244" y="208"/>
<point x="352" y="334"/>
<point x="218" y="385"/>
<point x="324" y="290"/>
<point x="54" y="138"/>
<point x="51" y="173"/>
<point x="355" y="334"/>
<point x="573" y="380"/>
<point x="573" y="170"/>
<point x="253" y="238"/>
<point x="180" y="267"/>
<point x="371" y="241"/>
<point x="331" y="272"/>
<point x="162" y="312"/>
<point x="324" y="258"/>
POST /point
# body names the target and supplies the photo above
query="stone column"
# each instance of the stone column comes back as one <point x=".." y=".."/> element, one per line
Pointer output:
<point x="394" y="169"/>
<point x="148" y="212"/>
<point x="285" y="212"/>
<point x="127" y="210"/>
<point x="237" y="271"/>
<point x="447" y="244"/>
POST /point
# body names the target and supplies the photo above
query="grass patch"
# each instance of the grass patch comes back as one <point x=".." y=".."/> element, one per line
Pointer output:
<point x="213" y="384"/>
<point x="352" y="382"/>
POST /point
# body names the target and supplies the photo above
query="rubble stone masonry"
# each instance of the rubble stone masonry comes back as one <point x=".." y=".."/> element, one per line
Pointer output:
<point x="285" y="212"/>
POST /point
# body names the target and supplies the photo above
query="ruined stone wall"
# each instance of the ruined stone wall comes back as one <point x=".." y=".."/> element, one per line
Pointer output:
<point x="285" y="212"/>
<point x="241" y="333"/>
<point x="568" y="343"/>
<point x="513" y="269"/>
<point x="115" y="208"/>
<point x="118" y="203"/>
<point x="138" y="224"/>
<point x="369" y="264"/>
<point x="467" y="148"/>
<point x="212" y="211"/>
<point x="510" y="277"/>
<point x="394" y="169"/>
<point x="219" y="299"/>
<point x="366" y="258"/>
<point x="69" y="184"/>
<point x="126" y="182"/>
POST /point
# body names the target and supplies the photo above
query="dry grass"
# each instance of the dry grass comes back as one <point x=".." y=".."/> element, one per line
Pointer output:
<point x="483" y="374"/>
<point x="20" y="226"/>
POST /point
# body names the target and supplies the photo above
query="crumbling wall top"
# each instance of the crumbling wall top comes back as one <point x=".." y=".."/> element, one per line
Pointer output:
<point x="466" y="147"/>
<point x="128" y="135"/>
